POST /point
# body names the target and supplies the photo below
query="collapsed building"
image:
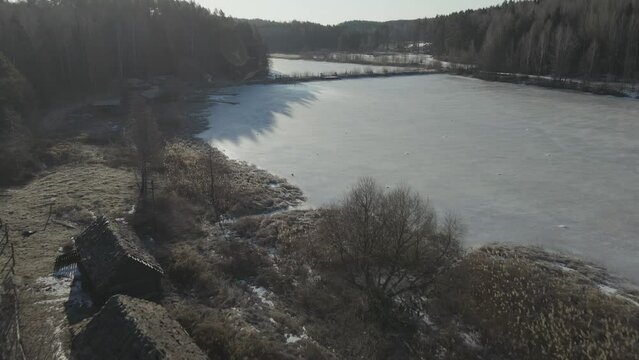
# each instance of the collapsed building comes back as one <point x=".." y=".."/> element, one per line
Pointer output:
<point x="114" y="261"/>
<point x="128" y="328"/>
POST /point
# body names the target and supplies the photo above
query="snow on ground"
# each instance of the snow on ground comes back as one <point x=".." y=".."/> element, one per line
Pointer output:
<point x="558" y="265"/>
<point x="53" y="287"/>
<point x="63" y="287"/>
<point x="426" y="319"/>
<point x="292" y="339"/>
<point x="58" y="347"/>
<point x="471" y="339"/>
<point x="262" y="294"/>
<point x="607" y="289"/>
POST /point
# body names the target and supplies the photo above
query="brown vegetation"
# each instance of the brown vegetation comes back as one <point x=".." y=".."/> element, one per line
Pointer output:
<point x="524" y="309"/>
<point x="203" y="174"/>
<point x="388" y="244"/>
<point x="200" y="174"/>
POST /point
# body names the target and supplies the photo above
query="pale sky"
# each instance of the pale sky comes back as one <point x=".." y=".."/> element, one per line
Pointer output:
<point x="337" y="11"/>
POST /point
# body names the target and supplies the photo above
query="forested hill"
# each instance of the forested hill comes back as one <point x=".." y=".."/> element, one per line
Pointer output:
<point x="591" y="38"/>
<point x="64" y="46"/>
<point x="564" y="38"/>
<point x="296" y="36"/>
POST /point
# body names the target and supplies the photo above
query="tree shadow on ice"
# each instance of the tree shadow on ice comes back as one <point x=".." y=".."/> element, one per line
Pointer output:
<point x="257" y="111"/>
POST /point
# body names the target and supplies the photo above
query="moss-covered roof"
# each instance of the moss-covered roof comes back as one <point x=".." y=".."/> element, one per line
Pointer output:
<point x="129" y="328"/>
<point x="104" y="245"/>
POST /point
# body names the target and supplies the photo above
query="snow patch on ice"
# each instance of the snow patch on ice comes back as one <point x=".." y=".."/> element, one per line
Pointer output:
<point x="558" y="265"/>
<point x="610" y="291"/>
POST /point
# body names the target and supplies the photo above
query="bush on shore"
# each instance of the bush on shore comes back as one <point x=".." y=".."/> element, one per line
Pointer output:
<point x="388" y="244"/>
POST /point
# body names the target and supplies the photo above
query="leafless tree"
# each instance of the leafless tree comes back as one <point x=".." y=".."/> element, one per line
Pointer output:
<point x="388" y="243"/>
<point x="146" y="137"/>
<point x="201" y="173"/>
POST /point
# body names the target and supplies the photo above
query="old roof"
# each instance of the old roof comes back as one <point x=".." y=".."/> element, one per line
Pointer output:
<point x="129" y="328"/>
<point x="104" y="244"/>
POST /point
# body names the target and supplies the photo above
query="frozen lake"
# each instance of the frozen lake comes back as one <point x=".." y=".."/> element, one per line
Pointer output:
<point x="306" y="67"/>
<point x="520" y="164"/>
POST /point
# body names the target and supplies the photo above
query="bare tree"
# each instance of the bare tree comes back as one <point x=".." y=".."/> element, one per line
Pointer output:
<point x="388" y="244"/>
<point x="201" y="173"/>
<point x="146" y="137"/>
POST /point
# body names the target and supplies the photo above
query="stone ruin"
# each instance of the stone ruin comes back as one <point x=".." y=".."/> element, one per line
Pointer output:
<point x="127" y="328"/>
<point x="114" y="261"/>
<point x="118" y="268"/>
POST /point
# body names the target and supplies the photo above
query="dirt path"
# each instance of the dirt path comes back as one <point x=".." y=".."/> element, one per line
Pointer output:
<point x="73" y="193"/>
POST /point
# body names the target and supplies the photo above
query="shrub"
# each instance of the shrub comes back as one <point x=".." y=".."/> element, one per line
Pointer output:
<point x="244" y="260"/>
<point x="223" y="337"/>
<point x="388" y="244"/>
<point x="186" y="266"/>
<point x="169" y="218"/>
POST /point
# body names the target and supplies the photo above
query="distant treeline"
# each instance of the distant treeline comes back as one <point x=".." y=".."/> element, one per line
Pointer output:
<point x="83" y="45"/>
<point x="590" y="38"/>
<point x="295" y="36"/>
<point x="564" y="38"/>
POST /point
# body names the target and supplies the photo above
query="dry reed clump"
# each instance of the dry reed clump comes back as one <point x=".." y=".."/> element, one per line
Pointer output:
<point x="224" y="334"/>
<point x="186" y="267"/>
<point x="169" y="218"/>
<point x="58" y="153"/>
<point x="523" y="311"/>
<point x="242" y="260"/>
<point x="199" y="277"/>
<point x="201" y="174"/>
<point x="281" y="230"/>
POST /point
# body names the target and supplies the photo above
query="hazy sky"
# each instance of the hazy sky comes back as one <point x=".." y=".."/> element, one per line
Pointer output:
<point x="336" y="11"/>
